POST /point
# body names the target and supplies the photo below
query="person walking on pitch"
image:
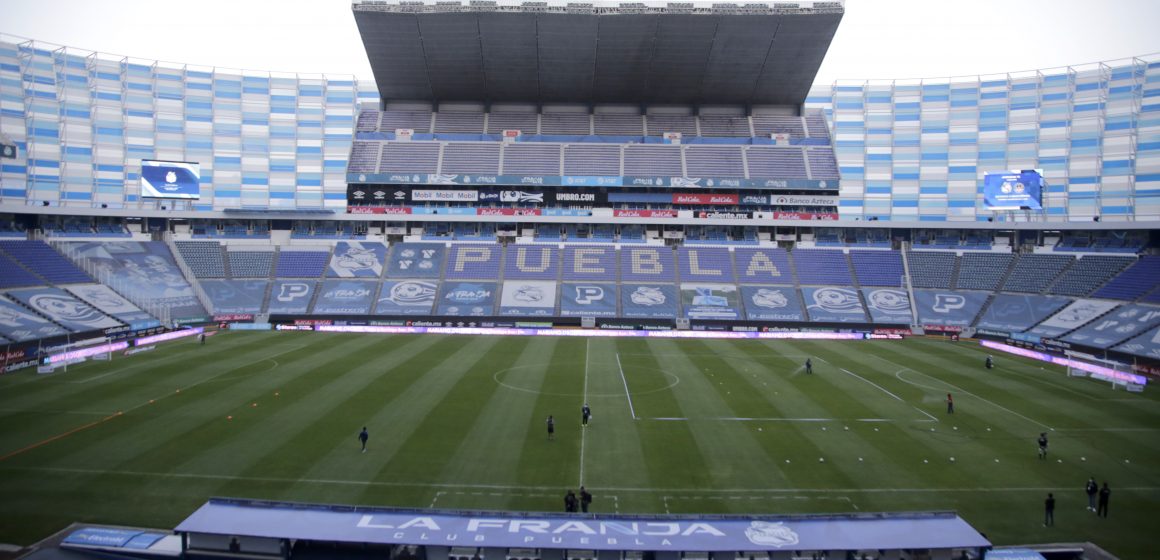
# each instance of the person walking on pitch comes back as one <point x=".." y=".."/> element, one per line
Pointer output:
<point x="551" y="427"/>
<point x="1043" y="445"/>
<point x="362" y="438"/>
<point x="809" y="365"/>
<point x="1092" y="489"/>
<point x="950" y="404"/>
<point x="1049" y="510"/>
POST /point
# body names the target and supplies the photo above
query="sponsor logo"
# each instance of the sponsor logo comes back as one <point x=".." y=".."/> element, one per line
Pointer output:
<point x="521" y="196"/>
<point x="837" y="300"/>
<point x="764" y="533"/>
<point x="440" y="179"/>
<point x="347" y="293"/>
<point x="945" y="303"/>
<point x="586" y="295"/>
<point x="648" y="296"/>
<point x="412" y="293"/>
<point x="66" y="309"/>
<point x="356" y="258"/>
<point x="575" y="197"/>
<point x="891" y="302"/>
<point x="358" y="195"/>
<point x="769" y="299"/>
<point x="291" y="291"/>
<point x="754" y="199"/>
<point x="528" y="294"/>
<point x="724" y="215"/>
<point x="468" y="294"/>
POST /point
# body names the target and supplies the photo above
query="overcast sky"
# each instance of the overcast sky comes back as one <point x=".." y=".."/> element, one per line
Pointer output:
<point x="877" y="38"/>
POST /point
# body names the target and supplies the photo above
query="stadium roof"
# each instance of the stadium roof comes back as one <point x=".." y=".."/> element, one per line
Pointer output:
<point x="552" y="52"/>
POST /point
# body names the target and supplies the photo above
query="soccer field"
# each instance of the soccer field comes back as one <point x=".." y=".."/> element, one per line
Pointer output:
<point x="679" y="426"/>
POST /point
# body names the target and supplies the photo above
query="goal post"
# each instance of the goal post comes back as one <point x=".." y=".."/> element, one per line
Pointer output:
<point x="1116" y="373"/>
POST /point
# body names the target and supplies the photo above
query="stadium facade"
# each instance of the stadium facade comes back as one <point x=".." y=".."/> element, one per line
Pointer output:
<point x="907" y="150"/>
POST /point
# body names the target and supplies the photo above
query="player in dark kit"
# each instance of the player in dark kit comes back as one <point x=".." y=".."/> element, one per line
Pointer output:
<point x="362" y="437"/>
<point x="585" y="499"/>
<point x="585" y="414"/>
<point x="1043" y="445"/>
<point x="1092" y="489"/>
<point x="551" y="427"/>
<point x="1049" y="511"/>
<point x="1105" y="494"/>
<point x="990" y="363"/>
<point x="809" y="366"/>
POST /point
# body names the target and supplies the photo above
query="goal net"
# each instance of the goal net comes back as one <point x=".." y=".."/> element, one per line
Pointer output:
<point x="1116" y="373"/>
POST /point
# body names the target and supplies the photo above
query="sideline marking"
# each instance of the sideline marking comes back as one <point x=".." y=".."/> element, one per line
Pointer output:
<point x="552" y="489"/>
<point x="625" y="381"/>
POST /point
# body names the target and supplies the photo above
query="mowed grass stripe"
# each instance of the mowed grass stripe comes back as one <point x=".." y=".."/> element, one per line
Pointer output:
<point x="645" y="379"/>
<point x="615" y="452"/>
<point x="545" y="462"/>
<point x="127" y="434"/>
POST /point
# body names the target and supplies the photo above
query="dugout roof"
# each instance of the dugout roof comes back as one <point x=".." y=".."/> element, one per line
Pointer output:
<point x="556" y="52"/>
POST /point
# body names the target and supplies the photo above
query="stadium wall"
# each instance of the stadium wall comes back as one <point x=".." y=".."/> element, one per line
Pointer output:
<point x="907" y="150"/>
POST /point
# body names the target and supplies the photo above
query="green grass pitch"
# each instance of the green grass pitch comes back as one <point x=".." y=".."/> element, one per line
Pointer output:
<point x="680" y="426"/>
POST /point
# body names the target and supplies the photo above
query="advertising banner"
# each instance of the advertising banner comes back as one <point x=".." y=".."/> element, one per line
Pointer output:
<point x="588" y="299"/>
<point x="345" y="297"/>
<point x="528" y="298"/>
<point x="416" y="260"/>
<point x="804" y="200"/>
<point x="357" y="259"/>
<point x="428" y="195"/>
<point x="589" y="181"/>
<point x="1122" y="324"/>
<point x="947" y="308"/>
<point x="17" y="323"/>
<point x="467" y="299"/>
<point x="710" y="301"/>
<point x="406" y="297"/>
<point x="109" y="302"/>
<point x="290" y="297"/>
<point x="648" y="301"/>
<point x="833" y="305"/>
<point x="64" y="309"/>
<point x="644" y="213"/>
<point x="706" y="198"/>
<point x="887" y="305"/>
<point x="772" y="303"/>
<point x="1075" y="315"/>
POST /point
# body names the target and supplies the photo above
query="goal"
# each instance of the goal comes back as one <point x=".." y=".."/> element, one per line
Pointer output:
<point x="1115" y="373"/>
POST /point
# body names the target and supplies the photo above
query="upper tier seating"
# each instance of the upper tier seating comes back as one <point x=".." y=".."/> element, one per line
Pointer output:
<point x="368" y="121"/>
<point x="301" y="264"/>
<point x="660" y="124"/>
<point x="652" y="160"/>
<point x="714" y="161"/>
<point x="459" y="122"/>
<point x="764" y="125"/>
<point x="38" y="257"/>
<point x="204" y="258"/>
<point x="785" y="163"/>
<point x="877" y="268"/>
<point x="419" y="121"/>
<point x="816" y="124"/>
<point x="612" y="124"/>
<point x="409" y="157"/>
<point x="725" y="126"/>
<point x="364" y="157"/>
<point x="499" y="121"/>
<point x="983" y="271"/>
<point x="474" y="157"/>
<point x="1089" y="273"/>
<point x="531" y="159"/>
<point x="822" y="266"/>
<point x="930" y="269"/>
<point x="591" y="159"/>
<point x="1137" y="280"/>
<point x="822" y="163"/>
<point x="572" y="124"/>
<point x="251" y="264"/>
<point x="1033" y="273"/>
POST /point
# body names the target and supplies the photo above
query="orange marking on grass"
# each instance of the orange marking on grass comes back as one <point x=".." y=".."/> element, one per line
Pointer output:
<point x="58" y="436"/>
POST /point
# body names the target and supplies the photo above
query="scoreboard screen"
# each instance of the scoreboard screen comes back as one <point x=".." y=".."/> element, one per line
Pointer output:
<point x="170" y="179"/>
<point x="1013" y="190"/>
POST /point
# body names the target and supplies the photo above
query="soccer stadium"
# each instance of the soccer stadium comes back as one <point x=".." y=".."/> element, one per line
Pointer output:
<point x="577" y="281"/>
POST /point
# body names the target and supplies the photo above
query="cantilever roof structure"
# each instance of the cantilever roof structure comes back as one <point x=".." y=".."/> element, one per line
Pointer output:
<point x="550" y="52"/>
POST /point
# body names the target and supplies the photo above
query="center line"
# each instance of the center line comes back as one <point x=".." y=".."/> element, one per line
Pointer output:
<point x="584" y="428"/>
<point x="625" y="381"/>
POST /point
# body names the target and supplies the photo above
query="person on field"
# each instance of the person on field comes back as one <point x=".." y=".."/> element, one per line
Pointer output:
<point x="551" y="427"/>
<point x="570" y="502"/>
<point x="585" y="414"/>
<point x="950" y="404"/>
<point x="1049" y="511"/>
<point x="201" y="339"/>
<point x="585" y="500"/>
<point x="362" y="438"/>
<point x="990" y="363"/>
<point x="1043" y="445"/>
<point x="1105" y="494"/>
<point x="1092" y="489"/>
<point x="809" y="365"/>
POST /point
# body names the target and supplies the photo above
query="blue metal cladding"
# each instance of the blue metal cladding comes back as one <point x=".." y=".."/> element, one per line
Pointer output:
<point x="1094" y="130"/>
<point x="100" y="116"/>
